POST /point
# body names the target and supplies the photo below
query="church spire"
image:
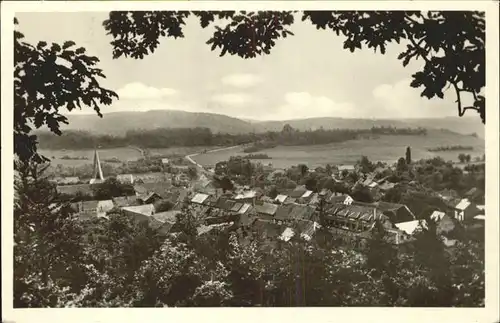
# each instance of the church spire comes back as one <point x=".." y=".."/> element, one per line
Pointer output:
<point x="97" y="176"/>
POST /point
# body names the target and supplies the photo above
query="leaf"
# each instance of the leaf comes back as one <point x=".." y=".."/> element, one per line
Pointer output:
<point x="80" y="50"/>
<point x="68" y="44"/>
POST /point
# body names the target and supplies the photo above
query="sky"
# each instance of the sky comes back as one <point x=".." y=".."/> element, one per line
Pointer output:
<point x="306" y="75"/>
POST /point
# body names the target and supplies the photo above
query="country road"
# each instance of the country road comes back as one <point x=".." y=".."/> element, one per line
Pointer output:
<point x="192" y="161"/>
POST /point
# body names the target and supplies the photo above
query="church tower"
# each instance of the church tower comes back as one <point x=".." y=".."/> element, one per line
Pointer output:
<point x="97" y="177"/>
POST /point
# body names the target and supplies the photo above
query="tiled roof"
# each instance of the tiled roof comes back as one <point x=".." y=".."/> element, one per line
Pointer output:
<point x="199" y="198"/>
<point x="281" y="198"/>
<point x="168" y="216"/>
<point x="105" y="206"/>
<point x="89" y="205"/>
<point x="146" y="209"/>
<point x="236" y="207"/>
<point x="338" y="199"/>
<point x="287" y="234"/>
<point x="307" y="194"/>
<point x="409" y="227"/>
<point x="463" y="204"/>
<point x="302" y="212"/>
<point x="160" y="188"/>
<point x="266" y="208"/>
<point x="365" y="213"/>
<point x="244" y="209"/>
<point x="283" y="212"/>
<point x="124" y="200"/>
<point x="298" y="192"/>
<point x="437" y="215"/>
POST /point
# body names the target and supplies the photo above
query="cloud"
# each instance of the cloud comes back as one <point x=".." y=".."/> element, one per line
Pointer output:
<point x="232" y="98"/>
<point x="139" y="91"/>
<point x="400" y="100"/>
<point x="301" y="105"/>
<point x="241" y="80"/>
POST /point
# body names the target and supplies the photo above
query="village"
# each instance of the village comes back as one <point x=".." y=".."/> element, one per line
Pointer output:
<point x="214" y="200"/>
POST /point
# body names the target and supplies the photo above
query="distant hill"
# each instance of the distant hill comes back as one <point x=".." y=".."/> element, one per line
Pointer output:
<point x="464" y="125"/>
<point x="120" y="122"/>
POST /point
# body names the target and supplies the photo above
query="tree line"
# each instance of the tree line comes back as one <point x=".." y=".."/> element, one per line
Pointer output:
<point x="189" y="137"/>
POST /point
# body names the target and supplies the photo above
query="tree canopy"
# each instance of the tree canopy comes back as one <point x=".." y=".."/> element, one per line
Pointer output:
<point x="49" y="79"/>
<point x="451" y="43"/>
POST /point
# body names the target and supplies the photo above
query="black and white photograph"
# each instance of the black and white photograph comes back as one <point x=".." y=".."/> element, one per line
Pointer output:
<point x="244" y="155"/>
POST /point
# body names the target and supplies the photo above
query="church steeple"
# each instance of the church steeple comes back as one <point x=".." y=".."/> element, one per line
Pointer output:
<point x="97" y="176"/>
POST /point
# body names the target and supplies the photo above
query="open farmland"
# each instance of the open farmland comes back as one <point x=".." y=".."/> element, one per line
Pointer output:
<point x="122" y="154"/>
<point x="385" y="148"/>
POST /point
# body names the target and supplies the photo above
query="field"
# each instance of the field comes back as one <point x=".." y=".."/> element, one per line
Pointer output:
<point x="385" y="148"/>
<point x="123" y="154"/>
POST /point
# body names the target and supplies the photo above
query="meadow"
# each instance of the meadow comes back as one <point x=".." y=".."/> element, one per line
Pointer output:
<point x="385" y="148"/>
<point x="123" y="154"/>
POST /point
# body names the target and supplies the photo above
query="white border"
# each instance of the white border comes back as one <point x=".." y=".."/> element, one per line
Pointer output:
<point x="488" y="314"/>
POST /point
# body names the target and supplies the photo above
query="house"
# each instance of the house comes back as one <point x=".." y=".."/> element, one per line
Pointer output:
<point x="162" y="222"/>
<point x="139" y="212"/>
<point x="281" y="198"/>
<point x="165" y="161"/>
<point x="341" y="199"/>
<point x="66" y="180"/>
<point x="437" y="216"/>
<point x="157" y="177"/>
<point x="396" y="212"/>
<point x="355" y="218"/>
<point x="199" y="198"/>
<point x="465" y="210"/>
<point x="349" y="168"/>
<point x="124" y="201"/>
<point x="86" y="206"/>
<point x="314" y="200"/>
<point x="267" y="210"/>
<point x="249" y="196"/>
<point x="287" y="234"/>
<point x="306" y="197"/>
<point x="298" y="192"/>
<point x="149" y="198"/>
<point x="412" y="227"/>
<point x="103" y="207"/>
<point x="163" y="189"/>
<point x="125" y="178"/>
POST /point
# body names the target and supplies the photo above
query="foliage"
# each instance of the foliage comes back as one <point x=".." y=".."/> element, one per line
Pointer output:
<point x="111" y="187"/>
<point x="365" y="165"/>
<point x="47" y="79"/>
<point x="408" y="155"/>
<point x="47" y="246"/>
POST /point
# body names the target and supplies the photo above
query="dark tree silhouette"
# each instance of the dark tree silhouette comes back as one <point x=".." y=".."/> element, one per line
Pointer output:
<point x="408" y="155"/>
<point x="451" y="43"/>
<point x="48" y="78"/>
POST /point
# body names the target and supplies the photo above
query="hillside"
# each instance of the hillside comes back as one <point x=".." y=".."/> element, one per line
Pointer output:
<point x="120" y="122"/>
<point x="462" y="125"/>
